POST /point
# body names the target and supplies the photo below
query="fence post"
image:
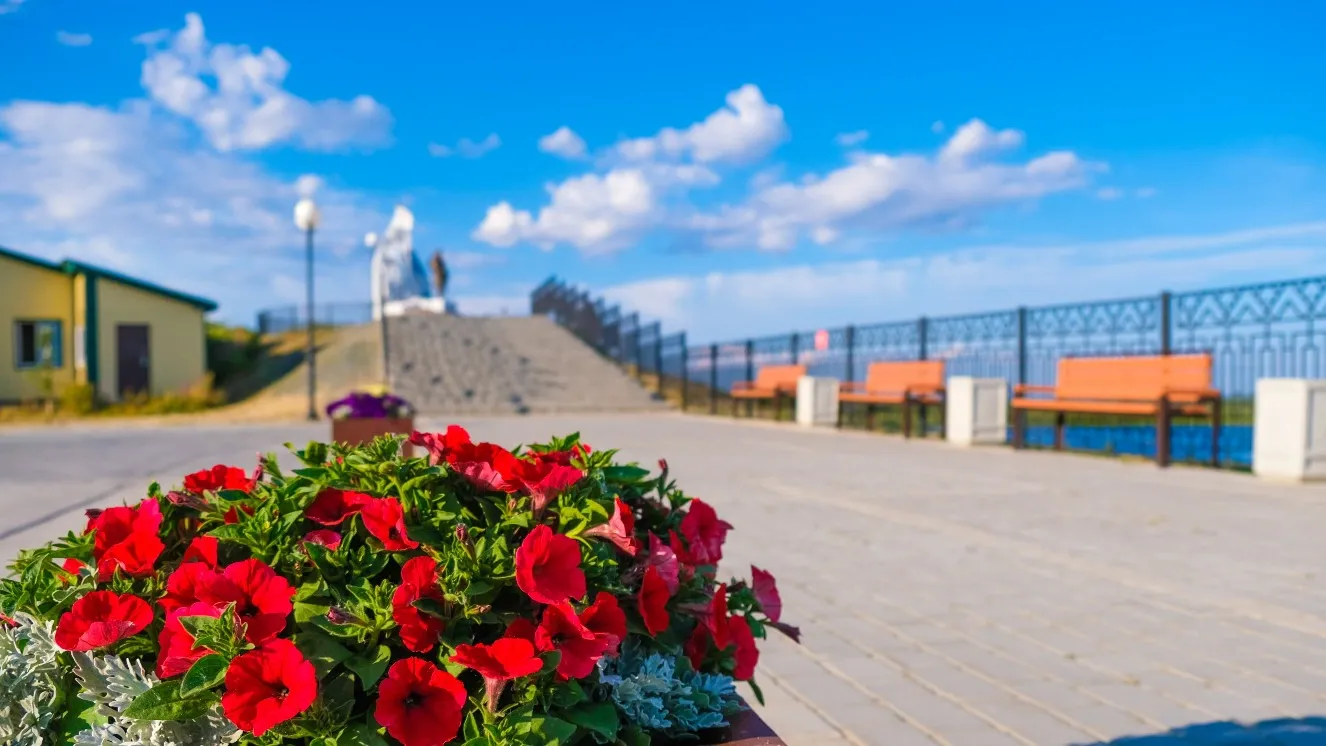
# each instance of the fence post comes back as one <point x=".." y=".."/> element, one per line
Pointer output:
<point x="1022" y="344"/>
<point x="1165" y="340"/>
<point x="685" y="371"/>
<point x="922" y="327"/>
<point x="750" y="360"/>
<point x="713" y="379"/>
<point x="851" y="354"/>
<point x="658" y="355"/>
<point x="792" y="343"/>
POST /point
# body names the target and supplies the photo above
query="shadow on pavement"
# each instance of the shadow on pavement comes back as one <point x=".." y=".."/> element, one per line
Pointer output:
<point x="1310" y="731"/>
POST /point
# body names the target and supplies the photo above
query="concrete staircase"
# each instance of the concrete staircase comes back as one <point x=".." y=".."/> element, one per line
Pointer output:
<point x="456" y="365"/>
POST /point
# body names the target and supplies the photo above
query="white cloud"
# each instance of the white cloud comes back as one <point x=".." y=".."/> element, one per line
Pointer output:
<point x="1145" y="192"/>
<point x="248" y="107"/>
<point x="852" y="139"/>
<point x="595" y="213"/>
<point x="73" y="40"/>
<point x="731" y="305"/>
<point x="564" y="143"/>
<point x="975" y="138"/>
<point x="743" y="131"/>
<point x="466" y="148"/>
<point x="1109" y="194"/>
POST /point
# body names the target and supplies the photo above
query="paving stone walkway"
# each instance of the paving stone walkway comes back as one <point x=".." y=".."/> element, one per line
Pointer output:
<point x="945" y="596"/>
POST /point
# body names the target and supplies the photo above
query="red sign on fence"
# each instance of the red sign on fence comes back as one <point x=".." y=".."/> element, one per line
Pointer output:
<point x="821" y="340"/>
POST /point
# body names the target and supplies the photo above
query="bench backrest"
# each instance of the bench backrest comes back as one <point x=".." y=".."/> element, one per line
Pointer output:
<point x="1140" y="378"/>
<point x="779" y="377"/>
<point x="896" y="376"/>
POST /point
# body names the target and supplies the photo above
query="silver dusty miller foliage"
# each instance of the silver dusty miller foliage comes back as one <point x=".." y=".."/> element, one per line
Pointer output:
<point x="30" y="681"/>
<point x="650" y="693"/>
<point x="111" y="684"/>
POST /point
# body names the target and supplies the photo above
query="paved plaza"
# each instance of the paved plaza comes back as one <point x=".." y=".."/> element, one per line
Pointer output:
<point x="945" y="596"/>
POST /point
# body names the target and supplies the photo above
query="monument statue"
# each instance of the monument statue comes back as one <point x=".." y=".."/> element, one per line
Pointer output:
<point x="398" y="277"/>
<point x="439" y="267"/>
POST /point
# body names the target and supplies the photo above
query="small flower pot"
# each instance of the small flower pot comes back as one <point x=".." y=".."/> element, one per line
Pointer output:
<point x="356" y="431"/>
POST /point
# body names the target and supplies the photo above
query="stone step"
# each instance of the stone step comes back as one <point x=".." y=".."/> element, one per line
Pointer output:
<point x="494" y="365"/>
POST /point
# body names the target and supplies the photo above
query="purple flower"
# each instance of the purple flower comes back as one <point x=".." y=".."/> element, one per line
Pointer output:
<point x="359" y="405"/>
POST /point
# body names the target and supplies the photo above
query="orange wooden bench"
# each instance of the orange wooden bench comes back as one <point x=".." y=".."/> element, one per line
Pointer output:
<point x="772" y="382"/>
<point x="906" y="383"/>
<point x="1158" y="386"/>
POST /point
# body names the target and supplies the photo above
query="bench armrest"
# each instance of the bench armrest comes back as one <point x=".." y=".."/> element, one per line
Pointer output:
<point x="922" y="389"/>
<point x="743" y="385"/>
<point x="851" y="387"/>
<point x="1197" y="394"/>
<point x="1031" y="388"/>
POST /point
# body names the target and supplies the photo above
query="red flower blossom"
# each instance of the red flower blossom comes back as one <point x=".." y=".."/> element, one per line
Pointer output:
<point x="440" y="445"/>
<point x="620" y="529"/>
<point x="543" y="480"/>
<point x="219" y="477"/>
<point x="182" y="585"/>
<point x="202" y="549"/>
<point x="385" y="520"/>
<point x="268" y="686"/>
<point x="489" y="467"/>
<point x="232" y="515"/>
<point x="548" y="567"/>
<point x="748" y="656"/>
<point x="717" y="619"/>
<point x="263" y="599"/>
<point x="653" y="601"/>
<point x="419" y="704"/>
<point x="101" y="618"/>
<point x="521" y="629"/>
<point x="136" y="556"/>
<point x="697" y="645"/>
<point x="323" y="537"/>
<point x="505" y="659"/>
<point x="71" y="565"/>
<point x="419" y="631"/>
<point x="606" y="619"/>
<point x="580" y="646"/>
<point x="704" y="533"/>
<point x="664" y="560"/>
<point x="333" y="506"/>
<point x="766" y="593"/>
<point x="680" y="551"/>
<point x="176" y="652"/>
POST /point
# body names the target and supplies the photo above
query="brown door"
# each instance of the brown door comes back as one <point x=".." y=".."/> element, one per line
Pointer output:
<point x="135" y="358"/>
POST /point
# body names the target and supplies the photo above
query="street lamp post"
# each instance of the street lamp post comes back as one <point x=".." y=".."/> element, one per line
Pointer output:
<point x="306" y="219"/>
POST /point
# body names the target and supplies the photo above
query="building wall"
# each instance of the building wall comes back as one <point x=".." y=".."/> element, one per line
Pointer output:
<point x="29" y="292"/>
<point x="175" y="337"/>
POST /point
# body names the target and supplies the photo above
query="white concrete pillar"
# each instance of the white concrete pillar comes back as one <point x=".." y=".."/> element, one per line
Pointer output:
<point x="817" y="401"/>
<point x="976" y="410"/>
<point x="1289" y="429"/>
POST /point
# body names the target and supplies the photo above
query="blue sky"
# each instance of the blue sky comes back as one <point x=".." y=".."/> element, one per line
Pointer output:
<point x="732" y="168"/>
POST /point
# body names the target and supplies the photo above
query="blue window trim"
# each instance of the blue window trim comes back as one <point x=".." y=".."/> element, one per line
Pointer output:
<point x="57" y="346"/>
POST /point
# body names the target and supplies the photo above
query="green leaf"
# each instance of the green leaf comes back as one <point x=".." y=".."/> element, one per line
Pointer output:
<point x="369" y="667"/>
<point x="629" y="473"/>
<point x="557" y="732"/>
<point x="320" y="650"/>
<point x="550" y="660"/>
<point x="599" y="718"/>
<point x="202" y="627"/>
<point x="361" y="734"/>
<point x="164" y="702"/>
<point x="568" y="694"/>
<point x="431" y="606"/>
<point x="205" y="673"/>
<point x="228" y="532"/>
<point x="759" y="695"/>
<point x="232" y="495"/>
<point x="306" y="612"/>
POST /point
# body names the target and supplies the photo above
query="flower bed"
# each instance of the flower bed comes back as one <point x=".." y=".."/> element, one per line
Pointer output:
<point x="472" y="596"/>
<point x="361" y="416"/>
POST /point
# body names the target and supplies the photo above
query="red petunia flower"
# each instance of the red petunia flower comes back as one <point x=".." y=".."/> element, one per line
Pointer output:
<point x="268" y="686"/>
<point x="505" y="659"/>
<point x="263" y="599"/>
<point x="580" y="646"/>
<point x="766" y="593"/>
<point x="419" y="704"/>
<point x="419" y="631"/>
<point x="441" y="445"/>
<point x="385" y="520"/>
<point x="114" y="525"/>
<point x="620" y="529"/>
<point x="182" y="585"/>
<point x="521" y="629"/>
<point x="489" y="467"/>
<point x="176" y="652"/>
<point x="136" y="556"/>
<point x="73" y="566"/>
<point x="543" y="480"/>
<point x="664" y="560"/>
<point x="333" y="506"/>
<point x="704" y="533"/>
<point x="748" y="656"/>
<point x="606" y="619"/>
<point x="717" y="619"/>
<point x="653" y="601"/>
<point x="202" y="549"/>
<point x="219" y="477"/>
<point x="323" y="537"/>
<point x="101" y="618"/>
<point x="548" y="567"/>
<point x="697" y="645"/>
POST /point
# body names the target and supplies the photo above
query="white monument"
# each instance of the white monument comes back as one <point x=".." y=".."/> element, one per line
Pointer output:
<point x="400" y="281"/>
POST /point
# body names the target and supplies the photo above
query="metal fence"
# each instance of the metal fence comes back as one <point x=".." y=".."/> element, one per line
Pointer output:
<point x="1254" y="331"/>
<point x="287" y="318"/>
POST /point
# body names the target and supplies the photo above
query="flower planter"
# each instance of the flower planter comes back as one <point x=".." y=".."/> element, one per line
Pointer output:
<point x="356" y="431"/>
<point x="747" y="729"/>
